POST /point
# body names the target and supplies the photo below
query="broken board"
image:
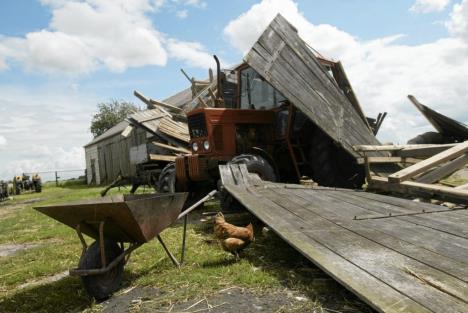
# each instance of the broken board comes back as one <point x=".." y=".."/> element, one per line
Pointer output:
<point x="395" y="254"/>
<point x="289" y="65"/>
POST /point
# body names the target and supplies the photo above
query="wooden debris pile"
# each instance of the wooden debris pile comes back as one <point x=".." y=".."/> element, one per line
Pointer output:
<point x="422" y="170"/>
<point x="168" y="128"/>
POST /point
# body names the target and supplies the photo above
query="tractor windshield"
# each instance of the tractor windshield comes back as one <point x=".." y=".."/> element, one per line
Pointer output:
<point x="256" y="93"/>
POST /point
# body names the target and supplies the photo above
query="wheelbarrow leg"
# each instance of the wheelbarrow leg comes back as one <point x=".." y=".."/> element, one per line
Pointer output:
<point x="182" y="255"/>
<point x="169" y="254"/>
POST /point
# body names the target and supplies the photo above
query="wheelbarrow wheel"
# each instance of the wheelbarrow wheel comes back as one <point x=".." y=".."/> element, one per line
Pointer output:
<point x="101" y="286"/>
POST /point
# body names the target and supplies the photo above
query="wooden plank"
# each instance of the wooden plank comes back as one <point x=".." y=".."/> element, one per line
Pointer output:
<point x="161" y="157"/>
<point x="177" y="149"/>
<point x="373" y="291"/>
<point x="425" y="190"/>
<point x="408" y="148"/>
<point x="462" y="187"/>
<point x="431" y="162"/>
<point x="342" y="79"/>
<point x="392" y="160"/>
<point x="444" y="170"/>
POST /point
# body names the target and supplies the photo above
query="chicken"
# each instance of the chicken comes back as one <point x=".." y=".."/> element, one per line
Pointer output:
<point x="232" y="238"/>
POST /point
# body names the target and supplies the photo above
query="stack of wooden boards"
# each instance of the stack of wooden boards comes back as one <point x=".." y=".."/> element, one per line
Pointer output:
<point x="424" y="167"/>
<point x="168" y="128"/>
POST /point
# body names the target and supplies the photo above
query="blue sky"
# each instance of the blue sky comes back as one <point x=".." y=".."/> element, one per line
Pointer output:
<point x="59" y="58"/>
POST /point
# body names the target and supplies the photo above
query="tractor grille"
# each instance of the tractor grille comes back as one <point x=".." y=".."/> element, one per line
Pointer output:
<point x="197" y="125"/>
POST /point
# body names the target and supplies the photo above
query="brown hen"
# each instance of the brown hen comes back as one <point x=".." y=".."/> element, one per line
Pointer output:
<point x="233" y="238"/>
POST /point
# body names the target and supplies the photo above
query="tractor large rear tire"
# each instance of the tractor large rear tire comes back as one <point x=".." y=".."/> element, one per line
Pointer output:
<point x="255" y="164"/>
<point x="101" y="286"/>
<point x="332" y="166"/>
<point x="167" y="179"/>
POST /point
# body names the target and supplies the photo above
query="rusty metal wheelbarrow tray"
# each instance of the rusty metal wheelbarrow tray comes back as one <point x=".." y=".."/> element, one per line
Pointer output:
<point x="128" y="218"/>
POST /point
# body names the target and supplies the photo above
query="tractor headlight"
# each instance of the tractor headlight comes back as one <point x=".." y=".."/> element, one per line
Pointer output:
<point x="195" y="146"/>
<point x="206" y="145"/>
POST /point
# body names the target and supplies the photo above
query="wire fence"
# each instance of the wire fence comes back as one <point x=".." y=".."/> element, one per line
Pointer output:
<point x="59" y="176"/>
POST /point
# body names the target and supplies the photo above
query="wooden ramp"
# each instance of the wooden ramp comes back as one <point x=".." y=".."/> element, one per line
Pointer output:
<point x="395" y="254"/>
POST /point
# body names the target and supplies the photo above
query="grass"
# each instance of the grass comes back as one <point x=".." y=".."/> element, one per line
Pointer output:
<point x="268" y="265"/>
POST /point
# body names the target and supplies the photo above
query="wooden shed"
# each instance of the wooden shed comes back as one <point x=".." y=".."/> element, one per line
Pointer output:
<point x="118" y="151"/>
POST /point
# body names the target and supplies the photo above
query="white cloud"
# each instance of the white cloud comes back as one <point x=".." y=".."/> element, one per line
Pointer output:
<point x="382" y="71"/>
<point x="427" y="6"/>
<point x="182" y="14"/>
<point x="196" y="3"/>
<point x="83" y="35"/>
<point x="45" y="129"/>
<point x="458" y="24"/>
<point x="3" y="141"/>
<point x="193" y="54"/>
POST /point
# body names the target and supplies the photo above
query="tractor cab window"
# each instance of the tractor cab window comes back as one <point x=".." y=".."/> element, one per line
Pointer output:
<point x="256" y="92"/>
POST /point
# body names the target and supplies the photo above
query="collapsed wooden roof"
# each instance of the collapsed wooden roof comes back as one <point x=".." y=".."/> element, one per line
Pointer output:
<point x="283" y="59"/>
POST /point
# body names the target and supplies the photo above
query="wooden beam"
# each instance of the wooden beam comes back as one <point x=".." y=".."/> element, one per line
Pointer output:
<point x="186" y="76"/>
<point x="143" y="99"/>
<point x="202" y="101"/>
<point x="127" y="131"/>
<point x="392" y="160"/>
<point x="462" y="187"/>
<point x="373" y="148"/>
<point x="177" y="149"/>
<point x="212" y="95"/>
<point x="444" y="170"/>
<point x="419" y="189"/>
<point x="431" y="162"/>
<point x="166" y="105"/>
<point x="161" y="157"/>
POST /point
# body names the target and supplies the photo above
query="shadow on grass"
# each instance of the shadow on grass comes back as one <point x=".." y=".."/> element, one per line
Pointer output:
<point x="65" y="295"/>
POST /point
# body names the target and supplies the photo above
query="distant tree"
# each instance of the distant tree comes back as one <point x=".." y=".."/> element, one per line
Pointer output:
<point x="110" y="114"/>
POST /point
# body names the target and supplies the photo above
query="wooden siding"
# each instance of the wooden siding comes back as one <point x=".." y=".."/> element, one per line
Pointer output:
<point x="113" y="155"/>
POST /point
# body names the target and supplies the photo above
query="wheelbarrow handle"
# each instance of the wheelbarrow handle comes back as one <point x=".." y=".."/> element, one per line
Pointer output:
<point x="193" y="207"/>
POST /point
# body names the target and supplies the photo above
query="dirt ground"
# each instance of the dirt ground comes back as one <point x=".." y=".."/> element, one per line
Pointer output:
<point x="229" y="300"/>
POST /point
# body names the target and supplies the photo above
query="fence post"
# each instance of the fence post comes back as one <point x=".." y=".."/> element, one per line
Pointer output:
<point x="56" y="179"/>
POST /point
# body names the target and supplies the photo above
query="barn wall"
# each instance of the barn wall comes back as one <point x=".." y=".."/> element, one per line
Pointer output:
<point x="113" y="154"/>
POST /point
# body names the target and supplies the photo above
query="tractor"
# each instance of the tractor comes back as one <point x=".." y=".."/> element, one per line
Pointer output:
<point x="264" y="131"/>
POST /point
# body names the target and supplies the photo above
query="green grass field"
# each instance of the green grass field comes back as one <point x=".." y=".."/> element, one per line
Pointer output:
<point x="268" y="264"/>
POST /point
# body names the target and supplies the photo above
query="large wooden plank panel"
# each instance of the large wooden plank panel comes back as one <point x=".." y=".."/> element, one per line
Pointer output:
<point x="285" y="61"/>
<point x="381" y="259"/>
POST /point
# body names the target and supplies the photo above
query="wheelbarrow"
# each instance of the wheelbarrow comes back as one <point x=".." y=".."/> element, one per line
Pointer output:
<point x="113" y="222"/>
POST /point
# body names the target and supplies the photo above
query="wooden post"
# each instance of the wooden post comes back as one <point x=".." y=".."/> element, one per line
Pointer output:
<point x="56" y="179"/>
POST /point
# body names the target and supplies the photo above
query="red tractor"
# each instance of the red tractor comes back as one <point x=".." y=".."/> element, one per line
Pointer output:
<point x="263" y="130"/>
